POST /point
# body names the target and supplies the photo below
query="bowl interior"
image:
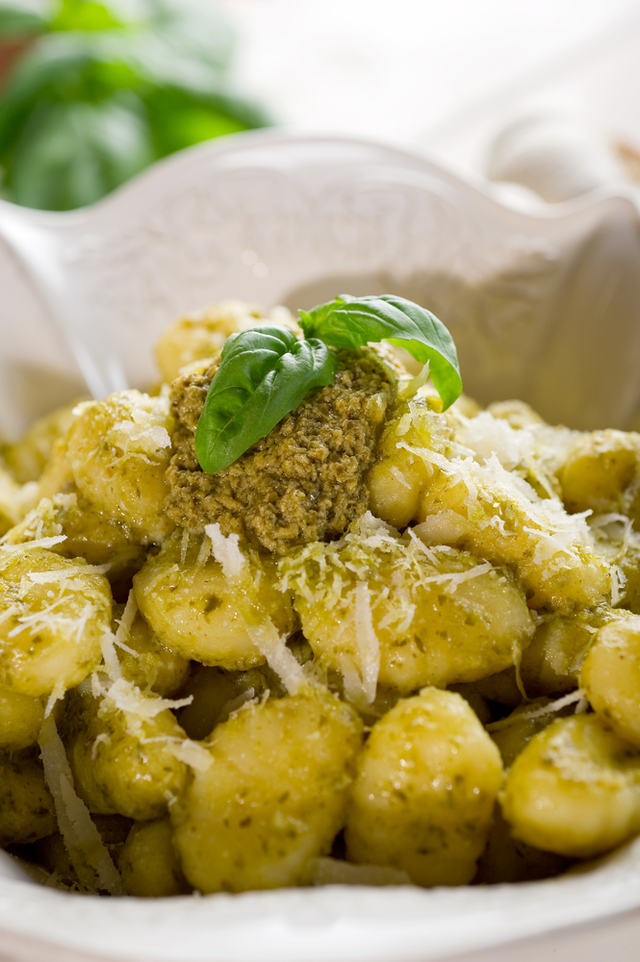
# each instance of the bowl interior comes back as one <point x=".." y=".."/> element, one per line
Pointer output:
<point x="543" y="308"/>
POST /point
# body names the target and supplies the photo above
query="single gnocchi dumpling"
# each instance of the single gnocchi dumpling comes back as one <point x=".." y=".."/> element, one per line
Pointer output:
<point x="15" y="501"/>
<point x="54" y="613"/>
<point x="20" y="719"/>
<point x="148" y="862"/>
<point x="398" y="478"/>
<point x="124" y="752"/>
<point x="574" y="789"/>
<point x="551" y="663"/>
<point x="145" y="661"/>
<point x="27" y="457"/>
<point x="118" y="450"/>
<point x="380" y="608"/>
<point x="425" y="791"/>
<point x="83" y="531"/>
<point x="202" y="334"/>
<point x="610" y="676"/>
<point x="598" y="471"/>
<point x="27" y="811"/>
<point x="200" y="612"/>
<point x="497" y="515"/>
<point x="274" y="797"/>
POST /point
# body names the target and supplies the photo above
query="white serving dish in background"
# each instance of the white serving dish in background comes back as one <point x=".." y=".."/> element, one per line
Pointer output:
<point x="543" y="307"/>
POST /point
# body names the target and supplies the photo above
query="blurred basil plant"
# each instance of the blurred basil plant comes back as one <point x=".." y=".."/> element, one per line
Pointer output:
<point x="102" y="89"/>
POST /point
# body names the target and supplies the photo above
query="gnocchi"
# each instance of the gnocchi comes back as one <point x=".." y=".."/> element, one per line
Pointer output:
<point x="425" y="790"/>
<point x="388" y="644"/>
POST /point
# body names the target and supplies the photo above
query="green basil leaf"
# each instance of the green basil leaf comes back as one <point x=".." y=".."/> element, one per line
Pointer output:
<point x="264" y="374"/>
<point x="73" y="154"/>
<point x="350" y="322"/>
<point x="83" y="15"/>
<point x="179" y="118"/>
<point x="19" y="21"/>
<point x="171" y="56"/>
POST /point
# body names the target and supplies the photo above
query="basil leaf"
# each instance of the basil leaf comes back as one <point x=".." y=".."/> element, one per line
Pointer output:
<point x="350" y="322"/>
<point x="264" y="373"/>
<point x="73" y="154"/>
<point x="169" y="56"/>
<point x="17" y="21"/>
<point x="177" y="116"/>
<point x="83" y="15"/>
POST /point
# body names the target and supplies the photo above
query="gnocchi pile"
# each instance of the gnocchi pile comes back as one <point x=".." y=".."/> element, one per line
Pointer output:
<point x="387" y="645"/>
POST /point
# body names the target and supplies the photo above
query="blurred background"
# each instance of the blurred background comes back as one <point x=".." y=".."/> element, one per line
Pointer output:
<point x="540" y="97"/>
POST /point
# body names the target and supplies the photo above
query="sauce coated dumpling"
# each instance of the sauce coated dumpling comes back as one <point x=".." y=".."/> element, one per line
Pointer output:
<point x="198" y="612"/>
<point x="574" y="789"/>
<point x="54" y="612"/>
<point x="118" y="451"/>
<point x="290" y="663"/>
<point x="426" y="786"/>
<point x="275" y="796"/>
<point x="375" y="605"/>
<point x="122" y="750"/>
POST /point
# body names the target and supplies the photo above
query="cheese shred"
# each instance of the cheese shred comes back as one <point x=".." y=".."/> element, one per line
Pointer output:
<point x="88" y="854"/>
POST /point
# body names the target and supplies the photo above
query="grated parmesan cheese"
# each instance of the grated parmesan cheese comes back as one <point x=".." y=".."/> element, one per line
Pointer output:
<point x="400" y="478"/>
<point x="333" y="871"/>
<point x="487" y="436"/>
<point x="56" y="695"/>
<point x="184" y="546"/>
<point x="125" y="625"/>
<point x="143" y="429"/>
<point x="87" y="852"/>
<point x="127" y="698"/>
<point x="38" y="543"/>
<point x="184" y="750"/>
<point x="204" y="553"/>
<point x="411" y="388"/>
<point x="280" y="659"/>
<point x="102" y="739"/>
<point x="236" y="703"/>
<point x="226" y="551"/>
<point x="51" y="577"/>
<point x="368" y="645"/>
<point x="110" y="656"/>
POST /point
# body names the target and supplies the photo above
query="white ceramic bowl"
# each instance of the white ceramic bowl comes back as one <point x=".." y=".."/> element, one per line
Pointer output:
<point x="544" y="308"/>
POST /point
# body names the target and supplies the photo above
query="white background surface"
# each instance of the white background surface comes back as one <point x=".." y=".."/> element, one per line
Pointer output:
<point x="440" y="74"/>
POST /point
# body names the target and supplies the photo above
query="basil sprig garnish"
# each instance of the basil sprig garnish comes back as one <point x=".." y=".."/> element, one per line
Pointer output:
<point x="354" y="321"/>
<point x="265" y="372"/>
